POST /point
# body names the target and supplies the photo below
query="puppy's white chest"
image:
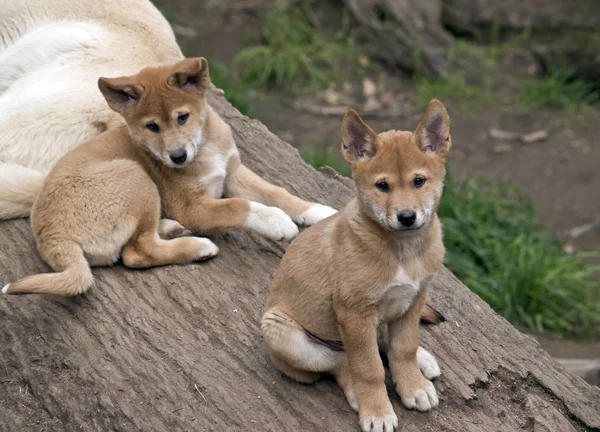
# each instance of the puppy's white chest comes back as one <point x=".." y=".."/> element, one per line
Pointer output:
<point x="398" y="296"/>
<point x="216" y="172"/>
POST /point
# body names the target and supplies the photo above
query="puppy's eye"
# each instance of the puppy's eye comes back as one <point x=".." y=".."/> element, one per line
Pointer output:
<point x="153" y="127"/>
<point x="383" y="186"/>
<point x="182" y="118"/>
<point x="420" y="181"/>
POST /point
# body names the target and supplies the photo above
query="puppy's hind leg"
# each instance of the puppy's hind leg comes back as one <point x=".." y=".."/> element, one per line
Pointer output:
<point x="170" y="229"/>
<point x="147" y="249"/>
<point x="301" y="358"/>
<point x="292" y="350"/>
<point x="303" y="376"/>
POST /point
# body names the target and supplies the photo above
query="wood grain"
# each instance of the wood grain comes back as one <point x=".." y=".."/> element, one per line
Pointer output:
<point x="179" y="348"/>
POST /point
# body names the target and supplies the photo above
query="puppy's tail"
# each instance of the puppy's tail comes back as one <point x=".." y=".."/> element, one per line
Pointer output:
<point x="430" y="315"/>
<point x="76" y="279"/>
<point x="19" y="187"/>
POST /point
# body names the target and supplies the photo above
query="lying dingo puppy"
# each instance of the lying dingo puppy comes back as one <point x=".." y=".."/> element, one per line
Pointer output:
<point x="175" y="157"/>
<point x="366" y="270"/>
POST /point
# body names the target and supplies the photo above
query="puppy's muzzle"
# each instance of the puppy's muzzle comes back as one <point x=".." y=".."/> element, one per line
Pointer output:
<point x="178" y="156"/>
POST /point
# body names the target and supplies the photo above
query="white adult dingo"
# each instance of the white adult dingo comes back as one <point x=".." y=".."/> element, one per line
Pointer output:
<point x="52" y="53"/>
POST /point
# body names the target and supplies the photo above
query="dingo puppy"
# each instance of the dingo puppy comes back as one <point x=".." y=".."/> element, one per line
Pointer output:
<point x="367" y="269"/>
<point x="177" y="157"/>
<point x="51" y="55"/>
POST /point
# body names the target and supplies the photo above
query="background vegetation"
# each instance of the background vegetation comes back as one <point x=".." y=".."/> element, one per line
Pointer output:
<point x="495" y="243"/>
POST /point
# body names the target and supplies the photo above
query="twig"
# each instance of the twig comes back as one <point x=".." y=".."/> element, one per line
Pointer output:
<point x="205" y="401"/>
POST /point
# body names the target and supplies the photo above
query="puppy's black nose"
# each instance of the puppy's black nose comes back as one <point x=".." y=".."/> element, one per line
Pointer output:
<point x="178" y="156"/>
<point x="407" y="217"/>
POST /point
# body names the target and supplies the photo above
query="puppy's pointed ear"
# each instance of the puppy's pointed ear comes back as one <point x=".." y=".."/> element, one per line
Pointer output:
<point x="359" y="141"/>
<point x="191" y="74"/>
<point x="433" y="132"/>
<point x="121" y="93"/>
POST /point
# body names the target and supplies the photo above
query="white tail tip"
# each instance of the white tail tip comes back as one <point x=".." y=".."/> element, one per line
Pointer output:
<point x="5" y="288"/>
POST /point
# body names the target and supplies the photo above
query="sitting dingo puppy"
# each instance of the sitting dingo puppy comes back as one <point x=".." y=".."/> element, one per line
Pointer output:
<point x="175" y="157"/>
<point x="366" y="270"/>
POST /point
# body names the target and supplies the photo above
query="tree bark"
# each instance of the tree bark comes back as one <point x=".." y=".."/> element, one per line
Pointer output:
<point x="563" y="34"/>
<point x="178" y="348"/>
<point x="405" y="33"/>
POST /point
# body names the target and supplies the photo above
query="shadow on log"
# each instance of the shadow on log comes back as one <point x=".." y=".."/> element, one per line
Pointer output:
<point x="179" y="348"/>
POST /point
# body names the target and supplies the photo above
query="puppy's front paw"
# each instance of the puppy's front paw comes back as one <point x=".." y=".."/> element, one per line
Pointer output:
<point x="271" y="222"/>
<point x="422" y="399"/>
<point x="206" y="248"/>
<point x="379" y="422"/>
<point x="314" y="214"/>
<point x="428" y="364"/>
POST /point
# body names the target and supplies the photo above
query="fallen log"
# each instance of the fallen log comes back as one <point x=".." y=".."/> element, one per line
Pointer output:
<point x="179" y="349"/>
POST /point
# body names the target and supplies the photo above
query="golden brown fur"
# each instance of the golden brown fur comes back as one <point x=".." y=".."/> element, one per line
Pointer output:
<point x="364" y="272"/>
<point x="176" y="158"/>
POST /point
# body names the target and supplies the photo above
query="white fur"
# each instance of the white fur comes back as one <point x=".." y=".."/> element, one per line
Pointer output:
<point x="19" y="188"/>
<point x="402" y="279"/>
<point x="422" y="399"/>
<point x="48" y="44"/>
<point x="169" y="228"/>
<point x="293" y="342"/>
<point x="387" y="423"/>
<point x="390" y="221"/>
<point x="398" y="296"/>
<point x="352" y="401"/>
<point x="206" y="248"/>
<point x="271" y="222"/>
<point x="50" y="60"/>
<point x="5" y="288"/>
<point x="428" y="364"/>
<point x="425" y="215"/>
<point x="215" y="178"/>
<point x="380" y="216"/>
<point x="315" y="213"/>
<point x="41" y="117"/>
<point x="314" y="356"/>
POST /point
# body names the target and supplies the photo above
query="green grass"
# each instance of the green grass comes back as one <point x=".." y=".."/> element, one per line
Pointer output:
<point x="490" y="83"/>
<point x="482" y="58"/>
<point x="453" y="87"/>
<point x="236" y="92"/>
<point x="296" y="56"/>
<point x="499" y="249"/>
<point x="497" y="246"/>
<point x="557" y="90"/>
<point x="169" y="14"/>
<point x="324" y="154"/>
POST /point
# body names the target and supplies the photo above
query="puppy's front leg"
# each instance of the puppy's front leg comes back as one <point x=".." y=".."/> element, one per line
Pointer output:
<point x="414" y="389"/>
<point x="209" y="216"/>
<point x="244" y="183"/>
<point x="359" y="334"/>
